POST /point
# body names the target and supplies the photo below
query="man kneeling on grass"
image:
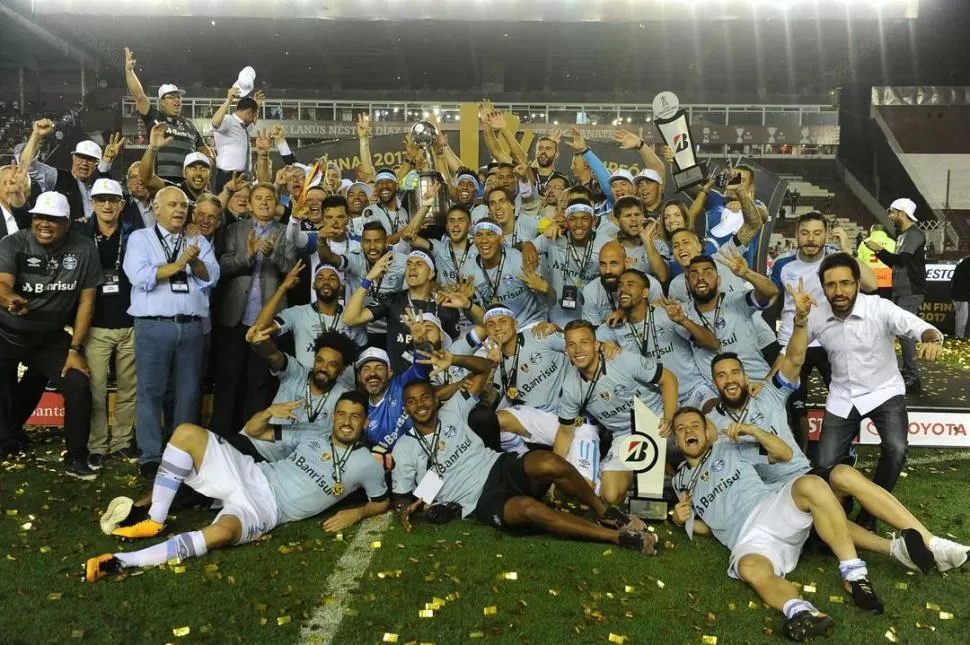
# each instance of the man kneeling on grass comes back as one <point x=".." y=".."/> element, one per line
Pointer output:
<point x="764" y="529"/>
<point x="310" y="475"/>
<point x="442" y="459"/>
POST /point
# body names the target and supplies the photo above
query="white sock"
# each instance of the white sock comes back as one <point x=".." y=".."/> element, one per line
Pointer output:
<point x="180" y="547"/>
<point x="853" y="570"/>
<point x="795" y="606"/>
<point x="511" y="442"/>
<point x="175" y="467"/>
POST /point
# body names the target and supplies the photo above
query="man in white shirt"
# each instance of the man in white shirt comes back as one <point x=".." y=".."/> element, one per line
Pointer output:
<point x="232" y="133"/>
<point x="14" y="188"/>
<point x="858" y="332"/>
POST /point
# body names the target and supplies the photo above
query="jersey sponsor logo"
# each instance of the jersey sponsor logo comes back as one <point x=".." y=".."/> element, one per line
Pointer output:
<point x="40" y="287"/>
<point x="542" y="376"/>
<point x="639" y="452"/>
<point x="718" y="465"/>
<point x="69" y="262"/>
<point x="706" y="501"/>
<point x="459" y="450"/>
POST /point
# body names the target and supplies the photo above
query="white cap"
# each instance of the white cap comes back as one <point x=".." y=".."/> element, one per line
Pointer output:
<point x="649" y="174"/>
<point x="622" y="173"/>
<point x="88" y="149"/>
<point x="906" y="205"/>
<point x="373" y="354"/>
<point x="196" y="157"/>
<point x="246" y="81"/>
<point x="169" y="88"/>
<point x="105" y="186"/>
<point x="52" y="204"/>
<point x="445" y="338"/>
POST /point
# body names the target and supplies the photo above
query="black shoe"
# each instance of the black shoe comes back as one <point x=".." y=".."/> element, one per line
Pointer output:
<point x="913" y="385"/>
<point x="644" y="542"/>
<point x="148" y="469"/>
<point x="125" y="454"/>
<point x="79" y="470"/>
<point x="866" y="521"/>
<point x="863" y="595"/>
<point x="808" y="624"/>
<point x="918" y="552"/>
<point x="95" y="461"/>
<point x="620" y="521"/>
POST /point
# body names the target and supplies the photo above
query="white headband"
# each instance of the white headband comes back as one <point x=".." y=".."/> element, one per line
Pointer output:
<point x="487" y="226"/>
<point x="424" y="257"/>
<point x="385" y="175"/>
<point x="495" y="312"/>
<point x="579" y="208"/>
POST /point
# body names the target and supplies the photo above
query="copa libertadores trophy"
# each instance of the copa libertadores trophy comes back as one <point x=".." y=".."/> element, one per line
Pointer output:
<point x="674" y="128"/>
<point x="424" y="135"/>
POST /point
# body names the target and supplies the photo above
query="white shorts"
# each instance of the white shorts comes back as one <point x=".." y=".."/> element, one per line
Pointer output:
<point x="234" y="478"/>
<point x="697" y="396"/>
<point x="776" y="529"/>
<point x="583" y="453"/>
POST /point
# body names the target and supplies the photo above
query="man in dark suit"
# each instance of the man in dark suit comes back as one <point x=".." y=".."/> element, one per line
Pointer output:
<point x="75" y="184"/>
<point x="254" y="262"/>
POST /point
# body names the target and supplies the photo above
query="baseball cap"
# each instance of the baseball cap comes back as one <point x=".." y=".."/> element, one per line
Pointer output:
<point x="372" y="354"/>
<point x="169" y="88"/>
<point x="445" y="338"/>
<point x="906" y="205"/>
<point x="196" y="157"/>
<point x="88" y="149"/>
<point x="649" y="174"/>
<point x="51" y="204"/>
<point x="622" y="173"/>
<point x="105" y="186"/>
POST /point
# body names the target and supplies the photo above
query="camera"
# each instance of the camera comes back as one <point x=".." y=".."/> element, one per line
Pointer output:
<point x="725" y="177"/>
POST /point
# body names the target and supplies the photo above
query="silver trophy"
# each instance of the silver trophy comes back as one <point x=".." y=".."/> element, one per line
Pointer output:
<point x="674" y="128"/>
<point x="424" y="134"/>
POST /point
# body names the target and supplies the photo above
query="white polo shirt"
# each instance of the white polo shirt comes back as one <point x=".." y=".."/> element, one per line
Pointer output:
<point x="9" y="223"/>
<point x="233" y="151"/>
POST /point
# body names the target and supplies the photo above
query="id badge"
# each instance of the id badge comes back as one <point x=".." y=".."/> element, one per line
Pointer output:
<point x="429" y="487"/>
<point x="179" y="282"/>
<point x="110" y="286"/>
<point x="570" y="294"/>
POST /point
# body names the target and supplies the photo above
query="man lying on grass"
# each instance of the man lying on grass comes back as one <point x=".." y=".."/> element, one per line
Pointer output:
<point x="442" y="459"/>
<point x="310" y="474"/>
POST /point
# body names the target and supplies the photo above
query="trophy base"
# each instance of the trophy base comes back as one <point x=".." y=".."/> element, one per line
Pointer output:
<point x="691" y="176"/>
<point x="654" y="510"/>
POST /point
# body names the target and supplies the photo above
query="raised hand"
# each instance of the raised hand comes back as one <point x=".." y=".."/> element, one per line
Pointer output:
<point x="803" y="300"/>
<point x="293" y="275"/>
<point x="129" y="60"/>
<point x="381" y="266"/>
<point x="255" y="336"/>
<point x="412" y="320"/>
<point x="262" y="142"/>
<point x="734" y="261"/>
<point x="453" y="299"/>
<point x="259" y="97"/>
<point x="363" y="126"/>
<point x="159" y="136"/>
<point x="674" y="310"/>
<point x="232" y="94"/>
<point x="278" y="135"/>
<point x="669" y="155"/>
<point x="841" y="238"/>
<point x="432" y="191"/>
<point x="648" y="232"/>
<point x="43" y="128"/>
<point x="440" y="360"/>
<point x="534" y="281"/>
<point x="285" y="410"/>
<point x="576" y="139"/>
<point x="627" y="139"/>
<point x="115" y="143"/>
<point x="496" y="120"/>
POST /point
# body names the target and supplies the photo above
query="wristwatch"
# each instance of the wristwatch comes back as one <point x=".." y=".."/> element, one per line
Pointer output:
<point x="77" y="348"/>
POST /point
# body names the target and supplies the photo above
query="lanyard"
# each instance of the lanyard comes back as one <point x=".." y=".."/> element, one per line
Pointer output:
<point x="430" y="449"/>
<point x="432" y="301"/>
<point x="336" y="319"/>
<point x="509" y="381"/>
<point x="741" y="416"/>
<point x="314" y="411"/>
<point x="454" y="261"/>
<point x="641" y="337"/>
<point x="171" y="254"/>
<point x="589" y="391"/>
<point x="338" y="467"/>
<point x="395" y="221"/>
<point x="374" y="291"/>
<point x="98" y="238"/>
<point x="571" y="254"/>
<point x="717" y="314"/>
<point x="494" y="284"/>
<point x="698" y="469"/>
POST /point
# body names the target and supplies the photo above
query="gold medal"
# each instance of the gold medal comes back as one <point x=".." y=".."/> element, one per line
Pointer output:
<point x="338" y="489"/>
<point x="512" y="393"/>
<point x="326" y="456"/>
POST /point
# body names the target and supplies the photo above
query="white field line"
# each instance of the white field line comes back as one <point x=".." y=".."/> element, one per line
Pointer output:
<point x="325" y="621"/>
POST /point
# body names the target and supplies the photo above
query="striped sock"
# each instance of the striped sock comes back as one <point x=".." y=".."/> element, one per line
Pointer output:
<point x="180" y="547"/>
<point x="853" y="570"/>
<point x="796" y="606"/>
<point x="175" y="467"/>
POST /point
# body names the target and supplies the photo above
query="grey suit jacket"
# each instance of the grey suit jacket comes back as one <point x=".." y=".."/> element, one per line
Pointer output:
<point x="237" y="270"/>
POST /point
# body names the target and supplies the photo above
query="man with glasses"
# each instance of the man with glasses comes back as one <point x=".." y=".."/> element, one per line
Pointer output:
<point x="185" y="136"/>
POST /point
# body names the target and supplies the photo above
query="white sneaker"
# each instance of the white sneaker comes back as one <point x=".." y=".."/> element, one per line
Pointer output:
<point x="948" y="554"/>
<point x="909" y="550"/>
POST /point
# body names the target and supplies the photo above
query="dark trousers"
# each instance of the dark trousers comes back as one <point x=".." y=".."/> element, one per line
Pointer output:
<point x="910" y="369"/>
<point x="165" y="351"/>
<point x="243" y="384"/>
<point x="222" y="177"/>
<point x="892" y="424"/>
<point x="815" y="358"/>
<point x="43" y="354"/>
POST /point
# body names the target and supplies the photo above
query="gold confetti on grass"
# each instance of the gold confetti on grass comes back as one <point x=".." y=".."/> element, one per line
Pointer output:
<point x="709" y="640"/>
<point x="389" y="637"/>
<point x="181" y="631"/>
<point x="55" y="595"/>
<point x="617" y="638"/>
<point x="491" y="610"/>
<point x="426" y="613"/>
<point x="283" y="620"/>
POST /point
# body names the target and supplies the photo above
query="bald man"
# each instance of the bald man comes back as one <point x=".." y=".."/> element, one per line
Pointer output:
<point x="599" y="296"/>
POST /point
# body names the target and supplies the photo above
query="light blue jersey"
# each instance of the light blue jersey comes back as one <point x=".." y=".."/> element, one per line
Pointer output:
<point x="392" y="220"/>
<point x="563" y="264"/>
<point x="306" y="323"/>
<point x="304" y="480"/>
<point x="725" y="492"/>
<point x="449" y="263"/>
<point x="390" y="282"/>
<point x="316" y="410"/>
<point x="536" y="371"/>
<point x="457" y="455"/>
<point x="609" y="398"/>
<point x="503" y="284"/>
<point x="766" y="411"/>
<point x="598" y="303"/>
<point x="734" y="325"/>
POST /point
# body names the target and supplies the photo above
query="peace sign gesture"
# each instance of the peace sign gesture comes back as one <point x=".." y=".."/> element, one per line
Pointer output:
<point x="674" y="310"/>
<point x="803" y="300"/>
<point x="733" y="260"/>
<point x="534" y="281"/>
<point x="440" y="360"/>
